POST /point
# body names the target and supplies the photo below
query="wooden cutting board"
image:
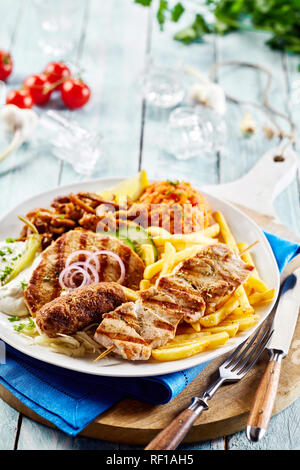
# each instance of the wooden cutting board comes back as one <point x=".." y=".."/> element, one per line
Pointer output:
<point x="134" y="422"/>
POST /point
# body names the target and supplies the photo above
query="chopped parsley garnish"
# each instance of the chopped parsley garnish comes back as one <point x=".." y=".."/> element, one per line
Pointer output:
<point x="14" y="318"/>
<point x="6" y="272"/>
<point x="19" y="327"/>
<point x="24" y="284"/>
<point x="173" y="183"/>
<point x="30" y="324"/>
<point x="9" y="250"/>
<point x="2" y="253"/>
<point x="27" y="326"/>
<point x="14" y="258"/>
<point x="46" y="278"/>
<point x="10" y="240"/>
<point x="61" y="217"/>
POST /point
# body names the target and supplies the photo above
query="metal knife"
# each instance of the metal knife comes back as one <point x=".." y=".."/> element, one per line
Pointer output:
<point x="284" y="326"/>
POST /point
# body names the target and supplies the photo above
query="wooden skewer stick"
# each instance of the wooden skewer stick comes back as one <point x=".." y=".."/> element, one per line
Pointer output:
<point x="249" y="247"/>
<point x="105" y="353"/>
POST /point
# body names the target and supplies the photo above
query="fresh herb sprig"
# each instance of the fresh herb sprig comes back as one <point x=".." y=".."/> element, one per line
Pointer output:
<point x="281" y="18"/>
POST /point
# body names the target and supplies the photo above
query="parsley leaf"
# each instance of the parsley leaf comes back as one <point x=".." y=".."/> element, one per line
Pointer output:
<point x="177" y="12"/>
<point x="24" y="284"/>
<point x="14" y="318"/>
<point x="10" y="240"/>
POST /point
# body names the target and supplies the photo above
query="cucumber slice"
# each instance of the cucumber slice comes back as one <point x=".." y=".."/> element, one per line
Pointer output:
<point x="138" y="237"/>
<point x="124" y="240"/>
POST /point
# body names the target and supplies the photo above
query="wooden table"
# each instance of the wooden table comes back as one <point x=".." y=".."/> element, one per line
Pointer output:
<point x="112" y="42"/>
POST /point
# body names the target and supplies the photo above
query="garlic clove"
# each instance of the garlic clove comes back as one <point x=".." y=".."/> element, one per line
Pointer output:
<point x="248" y="125"/>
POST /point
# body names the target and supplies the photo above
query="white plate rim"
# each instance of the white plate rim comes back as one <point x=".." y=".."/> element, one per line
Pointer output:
<point x="172" y="366"/>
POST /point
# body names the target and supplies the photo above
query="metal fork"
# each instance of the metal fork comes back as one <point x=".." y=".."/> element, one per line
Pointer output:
<point x="233" y="369"/>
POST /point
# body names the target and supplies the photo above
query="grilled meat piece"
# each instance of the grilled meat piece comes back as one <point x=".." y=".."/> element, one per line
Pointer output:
<point x="214" y="273"/>
<point x="44" y="285"/>
<point x="73" y="311"/>
<point x="135" y="328"/>
<point x="119" y="329"/>
<point x="198" y="286"/>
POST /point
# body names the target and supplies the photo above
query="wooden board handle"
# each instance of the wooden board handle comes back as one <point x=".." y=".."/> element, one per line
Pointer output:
<point x="170" y="437"/>
<point x="263" y="402"/>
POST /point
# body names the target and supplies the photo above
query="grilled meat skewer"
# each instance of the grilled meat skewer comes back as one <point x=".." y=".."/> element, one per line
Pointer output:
<point x="198" y="286"/>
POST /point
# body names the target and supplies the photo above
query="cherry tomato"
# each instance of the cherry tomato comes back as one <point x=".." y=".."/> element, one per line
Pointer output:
<point x="37" y="85"/>
<point x="6" y="65"/>
<point x="57" y="71"/>
<point x="21" y="98"/>
<point x="75" y="93"/>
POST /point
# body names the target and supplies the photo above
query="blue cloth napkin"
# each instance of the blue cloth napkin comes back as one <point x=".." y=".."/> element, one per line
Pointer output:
<point x="71" y="400"/>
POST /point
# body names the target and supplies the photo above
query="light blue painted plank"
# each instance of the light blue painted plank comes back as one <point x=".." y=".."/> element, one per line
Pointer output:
<point x="283" y="433"/>
<point x="241" y="152"/>
<point x="9" y="22"/>
<point x="8" y="426"/>
<point x="156" y="159"/>
<point x="35" y="436"/>
<point x="38" y="171"/>
<point x="113" y="54"/>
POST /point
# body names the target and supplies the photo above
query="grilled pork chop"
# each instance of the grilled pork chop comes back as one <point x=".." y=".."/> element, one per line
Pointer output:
<point x="43" y="286"/>
<point x="198" y="286"/>
<point x="73" y="311"/>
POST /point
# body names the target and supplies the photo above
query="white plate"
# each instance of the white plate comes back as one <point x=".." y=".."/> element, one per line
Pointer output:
<point x="244" y="230"/>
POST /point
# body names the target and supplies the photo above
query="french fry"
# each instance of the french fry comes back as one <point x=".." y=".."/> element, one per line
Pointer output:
<point x="241" y="295"/>
<point x="189" y="239"/>
<point x="238" y="313"/>
<point x="254" y="281"/>
<point x="158" y="232"/>
<point x="231" y="329"/>
<point x="212" y="230"/>
<point x="168" y="259"/>
<point x="230" y="241"/>
<point x="262" y="297"/>
<point x="215" y="318"/>
<point x="180" y="352"/>
<point x="196" y="326"/>
<point x="225" y="231"/>
<point x="148" y="253"/>
<point x="218" y="339"/>
<point x="257" y="284"/>
<point x="130" y="294"/>
<point x="186" y="338"/>
<point x="155" y="268"/>
<point x="144" y="284"/>
<point x="244" y="322"/>
<point x="188" y="349"/>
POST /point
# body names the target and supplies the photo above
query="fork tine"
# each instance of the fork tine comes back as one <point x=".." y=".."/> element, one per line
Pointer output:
<point x="243" y="358"/>
<point x="257" y="355"/>
<point x="237" y="350"/>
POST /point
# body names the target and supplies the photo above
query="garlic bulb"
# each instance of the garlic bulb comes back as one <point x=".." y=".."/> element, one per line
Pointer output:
<point x="209" y="94"/>
<point x="21" y="123"/>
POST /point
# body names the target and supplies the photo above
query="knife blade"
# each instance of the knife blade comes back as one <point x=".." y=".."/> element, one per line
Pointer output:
<point x="284" y="324"/>
<point x="286" y="314"/>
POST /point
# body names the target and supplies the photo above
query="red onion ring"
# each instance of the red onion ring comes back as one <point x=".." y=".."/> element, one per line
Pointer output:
<point x="86" y="266"/>
<point x="67" y="272"/>
<point x="89" y="272"/>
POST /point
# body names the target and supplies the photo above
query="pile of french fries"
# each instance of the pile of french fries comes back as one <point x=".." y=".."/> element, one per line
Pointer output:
<point x="236" y="315"/>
